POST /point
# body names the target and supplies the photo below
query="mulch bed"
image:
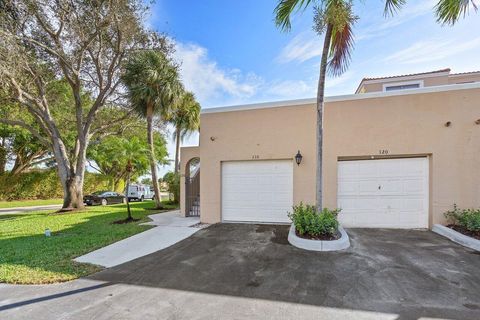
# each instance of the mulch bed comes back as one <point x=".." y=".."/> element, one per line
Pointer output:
<point x="123" y="221"/>
<point x="319" y="237"/>
<point x="462" y="230"/>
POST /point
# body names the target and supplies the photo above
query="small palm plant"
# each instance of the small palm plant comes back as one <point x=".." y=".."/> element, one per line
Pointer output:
<point x="134" y="159"/>
<point x="153" y="85"/>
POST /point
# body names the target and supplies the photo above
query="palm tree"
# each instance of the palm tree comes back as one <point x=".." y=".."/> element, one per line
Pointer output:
<point x="186" y="119"/>
<point x="133" y="158"/>
<point x="153" y="84"/>
<point x="335" y="19"/>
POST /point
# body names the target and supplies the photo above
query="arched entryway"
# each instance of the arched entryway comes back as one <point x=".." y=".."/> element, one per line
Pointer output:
<point x="192" y="188"/>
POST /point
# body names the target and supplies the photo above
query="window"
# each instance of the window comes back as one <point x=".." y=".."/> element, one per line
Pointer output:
<point x="402" y="86"/>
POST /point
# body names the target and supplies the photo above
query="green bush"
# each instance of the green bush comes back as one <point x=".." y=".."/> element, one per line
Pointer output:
<point x="466" y="218"/>
<point x="173" y="182"/>
<point x="309" y="222"/>
<point x="42" y="184"/>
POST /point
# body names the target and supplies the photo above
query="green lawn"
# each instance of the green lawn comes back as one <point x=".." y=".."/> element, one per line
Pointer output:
<point x="29" y="203"/>
<point x="27" y="256"/>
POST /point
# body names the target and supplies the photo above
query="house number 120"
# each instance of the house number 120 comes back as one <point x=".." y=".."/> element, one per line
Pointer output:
<point x="255" y="156"/>
<point x="382" y="151"/>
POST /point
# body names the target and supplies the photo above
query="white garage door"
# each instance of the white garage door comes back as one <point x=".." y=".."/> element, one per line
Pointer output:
<point x="389" y="193"/>
<point x="257" y="191"/>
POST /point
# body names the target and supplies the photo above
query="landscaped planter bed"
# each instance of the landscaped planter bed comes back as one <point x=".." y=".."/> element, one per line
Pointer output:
<point x="457" y="237"/>
<point x="343" y="242"/>
<point x="465" y="231"/>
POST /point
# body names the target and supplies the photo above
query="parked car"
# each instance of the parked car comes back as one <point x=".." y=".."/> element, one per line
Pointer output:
<point x="103" y="198"/>
<point x="139" y="192"/>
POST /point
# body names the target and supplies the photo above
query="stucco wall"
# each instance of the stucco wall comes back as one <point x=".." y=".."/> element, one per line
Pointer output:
<point x="439" y="80"/>
<point x="408" y="125"/>
<point x="430" y="81"/>
<point x="403" y="124"/>
<point x="186" y="154"/>
<point x="272" y="133"/>
<point x="464" y="78"/>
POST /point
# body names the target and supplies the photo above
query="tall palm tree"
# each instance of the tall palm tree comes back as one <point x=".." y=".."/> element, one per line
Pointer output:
<point x="153" y="84"/>
<point x="335" y="19"/>
<point x="186" y="119"/>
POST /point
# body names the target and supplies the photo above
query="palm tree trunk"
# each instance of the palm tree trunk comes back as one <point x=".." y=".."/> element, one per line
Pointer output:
<point x="177" y="149"/>
<point x="151" y="154"/>
<point x="320" y="103"/>
<point x="129" y="213"/>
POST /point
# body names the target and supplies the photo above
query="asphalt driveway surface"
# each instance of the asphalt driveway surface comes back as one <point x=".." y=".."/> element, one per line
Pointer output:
<point x="241" y="271"/>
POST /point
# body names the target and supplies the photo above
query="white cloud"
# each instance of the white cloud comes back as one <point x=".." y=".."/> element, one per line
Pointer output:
<point x="338" y="81"/>
<point x="208" y="80"/>
<point x="406" y="14"/>
<point x="290" y="89"/>
<point x="431" y="50"/>
<point x="304" y="46"/>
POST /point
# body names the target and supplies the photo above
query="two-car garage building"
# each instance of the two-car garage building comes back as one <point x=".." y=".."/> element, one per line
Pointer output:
<point x="396" y="159"/>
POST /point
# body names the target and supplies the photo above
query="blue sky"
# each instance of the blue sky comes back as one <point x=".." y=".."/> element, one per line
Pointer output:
<point x="232" y="53"/>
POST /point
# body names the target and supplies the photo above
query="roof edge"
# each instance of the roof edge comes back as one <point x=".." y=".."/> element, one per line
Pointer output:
<point x="348" y="97"/>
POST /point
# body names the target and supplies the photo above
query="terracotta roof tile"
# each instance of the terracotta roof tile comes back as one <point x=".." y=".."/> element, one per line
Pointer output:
<point x="460" y="73"/>
<point x="408" y="75"/>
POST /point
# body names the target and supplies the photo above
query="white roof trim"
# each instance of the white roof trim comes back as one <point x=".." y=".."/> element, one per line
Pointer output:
<point x="263" y="105"/>
<point x="361" y="96"/>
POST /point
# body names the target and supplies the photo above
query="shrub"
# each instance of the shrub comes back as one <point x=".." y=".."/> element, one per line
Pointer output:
<point x="43" y="184"/>
<point x="309" y="222"/>
<point x="466" y="218"/>
<point x="173" y="182"/>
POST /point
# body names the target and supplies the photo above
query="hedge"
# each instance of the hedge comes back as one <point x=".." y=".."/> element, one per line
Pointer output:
<point x="43" y="184"/>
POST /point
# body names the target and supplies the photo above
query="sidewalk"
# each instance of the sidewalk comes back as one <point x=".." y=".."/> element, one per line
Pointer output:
<point x="22" y="210"/>
<point x="170" y="228"/>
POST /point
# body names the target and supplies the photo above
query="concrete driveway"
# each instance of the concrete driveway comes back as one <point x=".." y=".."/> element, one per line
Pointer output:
<point x="250" y="272"/>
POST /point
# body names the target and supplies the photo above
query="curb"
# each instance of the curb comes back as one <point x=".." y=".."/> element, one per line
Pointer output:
<point x="457" y="237"/>
<point x="319" y="245"/>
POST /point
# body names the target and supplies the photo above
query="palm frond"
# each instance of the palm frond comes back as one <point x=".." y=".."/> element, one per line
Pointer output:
<point x="340" y="50"/>
<point x="151" y="79"/>
<point x="392" y="6"/>
<point x="285" y="9"/>
<point x="450" y="11"/>
<point x="340" y="15"/>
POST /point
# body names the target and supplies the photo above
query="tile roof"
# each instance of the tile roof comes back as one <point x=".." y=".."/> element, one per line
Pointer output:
<point x="408" y="75"/>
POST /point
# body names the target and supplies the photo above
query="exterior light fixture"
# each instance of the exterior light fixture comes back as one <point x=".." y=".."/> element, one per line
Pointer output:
<point x="298" y="157"/>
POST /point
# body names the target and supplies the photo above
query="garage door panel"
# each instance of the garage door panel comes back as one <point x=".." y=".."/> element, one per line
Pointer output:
<point x="400" y="202"/>
<point x="414" y="186"/>
<point x="390" y="186"/>
<point x="367" y="186"/>
<point x="268" y="186"/>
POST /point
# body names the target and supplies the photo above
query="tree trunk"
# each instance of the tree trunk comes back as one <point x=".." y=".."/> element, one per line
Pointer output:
<point x="320" y="103"/>
<point x="3" y="158"/>
<point x="151" y="154"/>
<point x="80" y="172"/>
<point x="71" y="179"/>
<point x="177" y="149"/>
<point x="129" y="213"/>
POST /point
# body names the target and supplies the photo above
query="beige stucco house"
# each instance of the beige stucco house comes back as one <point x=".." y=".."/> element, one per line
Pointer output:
<point x="397" y="154"/>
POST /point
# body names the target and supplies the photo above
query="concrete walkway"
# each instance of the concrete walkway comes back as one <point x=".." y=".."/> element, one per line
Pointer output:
<point x="22" y="210"/>
<point x="170" y="228"/>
